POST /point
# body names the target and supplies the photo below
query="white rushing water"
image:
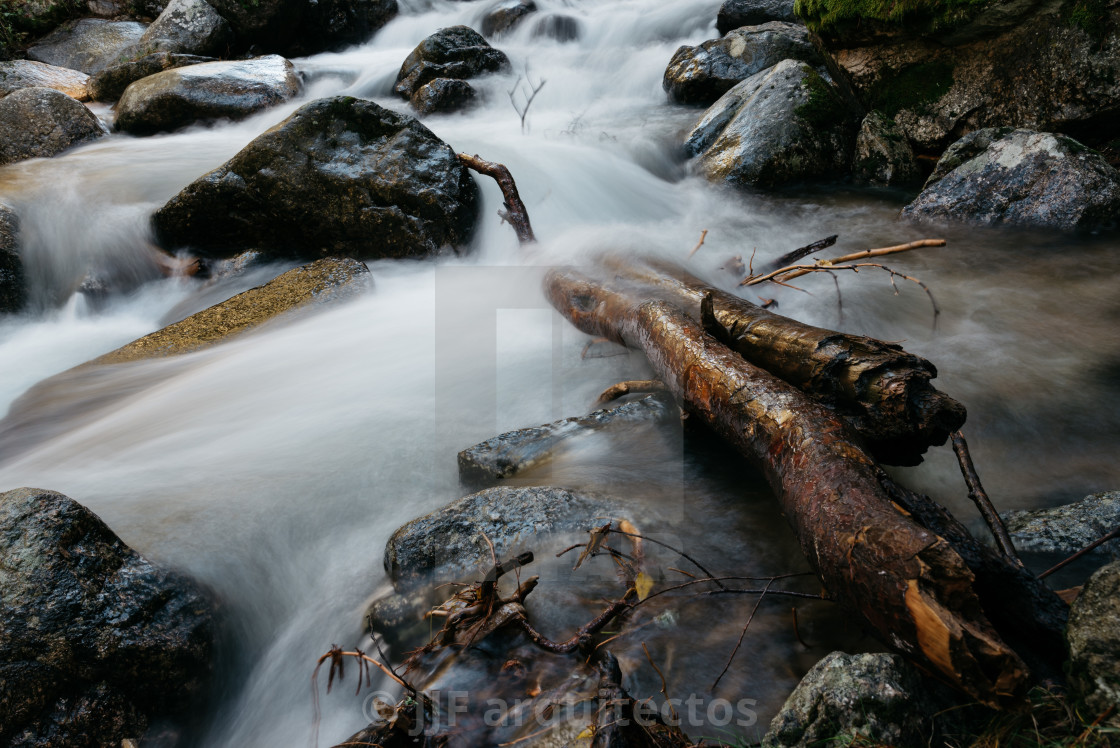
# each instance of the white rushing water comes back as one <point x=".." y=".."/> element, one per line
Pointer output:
<point x="274" y="467"/>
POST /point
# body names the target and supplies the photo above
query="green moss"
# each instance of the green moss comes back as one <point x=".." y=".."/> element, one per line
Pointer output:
<point x="1091" y="16"/>
<point x="928" y="15"/>
<point x="823" y="107"/>
<point x="915" y="87"/>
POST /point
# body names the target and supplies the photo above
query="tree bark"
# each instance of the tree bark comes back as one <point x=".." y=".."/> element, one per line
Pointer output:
<point x="907" y="583"/>
<point x="881" y="389"/>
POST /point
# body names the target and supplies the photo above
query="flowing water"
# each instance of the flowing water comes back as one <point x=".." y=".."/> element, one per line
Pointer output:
<point x="274" y="467"/>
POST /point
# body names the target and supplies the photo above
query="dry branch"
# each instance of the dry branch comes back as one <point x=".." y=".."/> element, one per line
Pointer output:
<point x="788" y="273"/>
<point x="908" y="584"/>
<point x="516" y="212"/>
<point x="881" y="389"/>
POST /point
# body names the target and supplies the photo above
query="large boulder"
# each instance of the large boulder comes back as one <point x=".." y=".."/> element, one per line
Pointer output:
<point x="299" y="27"/>
<point x="13" y="292"/>
<point x="779" y="126"/>
<point x="89" y="45"/>
<point x="865" y="699"/>
<point x="506" y="14"/>
<point x="457" y="52"/>
<point x="448" y="544"/>
<point x="17" y="74"/>
<point x="996" y="176"/>
<point x="321" y="282"/>
<point x="1094" y="642"/>
<point x="188" y="27"/>
<point x="701" y="74"/>
<point x="110" y="83"/>
<point x="341" y="176"/>
<point x="944" y="70"/>
<point x="41" y="122"/>
<point x="95" y="641"/>
<point x="883" y="155"/>
<point x="734" y="14"/>
<point x="212" y="90"/>
<point x="1068" y="528"/>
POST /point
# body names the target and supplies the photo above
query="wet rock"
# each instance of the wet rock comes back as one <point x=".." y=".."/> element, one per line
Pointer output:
<point x="89" y="45"/>
<point x="734" y="14"/>
<point x="188" y="27"/>
<point x="37" y="17"/>
<point x="513" y="452"/>
<point x="1029" y="65"/>
<point x="17" y="74"/>
<point x="878" y="699"/>
<point x="13" y="292"/>
<point x="1094" y="641"/>
<point x="321" y="282"/>
<point x="996" y="176"/>
<point x="779" y="126"/>
<point x="110" y="83"/>
<point x="41" y="122"/>
<point x="212" y="90"/>
<point x="1068" y="528"/>
<point x="96" y="640"/>
<point x="109" y="8"/>
<point x="505" y="15"/>
<point x="442" y="95"/>
<point x="457" y="52"/>
<point x="341" y="176"/>
<point x="559" y="27"/>
<point x="883" y="155"/>
<point x="448" y="543"/>
<point x="701" y="74"/>
<point x="297" y="27"/>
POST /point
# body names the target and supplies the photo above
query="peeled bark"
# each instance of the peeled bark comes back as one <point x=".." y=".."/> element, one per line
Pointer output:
<point x="906" y="582"/>
<point x="881" y="389"/>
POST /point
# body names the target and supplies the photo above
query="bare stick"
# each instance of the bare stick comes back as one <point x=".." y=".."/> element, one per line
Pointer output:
<point x="516" y="212"/>
<point x="808" y="249"/>
<point x="980" y="498"/>
<point x="796" y="271"/>
<point x="630" y="387"/>
<point x="699" y="244"/>
<point x="1095" y="544"/>
<point x="664" y="688"/>
<point x="523" y="110"/>
<point x="742" y="634"/>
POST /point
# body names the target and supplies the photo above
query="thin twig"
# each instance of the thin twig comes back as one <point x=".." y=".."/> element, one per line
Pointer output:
<point x="742" y="634"/>
<point x="664" y="688"/>
<point x="1092" y="546"/>
<point x="699" y="244"/>
<point x="797" y="629"/>
<point x="655" y="541"/>
<point x="980" y="498"/>
<point x="795" y="271"/>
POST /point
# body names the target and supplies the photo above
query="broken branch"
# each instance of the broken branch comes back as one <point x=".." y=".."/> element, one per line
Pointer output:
<point x="516" y="212"/>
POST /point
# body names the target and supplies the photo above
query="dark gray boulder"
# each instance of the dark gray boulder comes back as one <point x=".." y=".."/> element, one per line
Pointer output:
<point x="211" y="90"/>
<point x="442" y="95"/>
<point x="13" y="292"/>
<point x="341" y="176"/>
<point x="41" y="122"/>
<point x="701" y="74"/>
<point x="734" y="14"/>
<point x="873" y="699"/>
<point x="448" y="544"/>
<point x="1068" y="528"/>
<point x="94" y="640"/>
<point x="89" y="45"/>
<point x="188" y="27"/>
<point x="1001" y="176"/>
<point x="455" y="52"/>
<point x="298" y="27"/>
<point x="782" y="125"/>
<point x="883" y="155"/>
<point x="558" y="27"/>
<point x="511" y="453"/>
<point x="1094" y="642"/>
<point x="110" y="83"/>
<point x="17" y="74"/>
<point x="506" y="14"/>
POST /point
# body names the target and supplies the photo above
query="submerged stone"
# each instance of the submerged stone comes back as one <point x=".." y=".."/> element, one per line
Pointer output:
<point x="1068" y="528"/>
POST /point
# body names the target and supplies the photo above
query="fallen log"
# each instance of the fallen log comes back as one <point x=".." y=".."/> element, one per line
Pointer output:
<point x="907" y="583"/>
<point x="881" y="389"/>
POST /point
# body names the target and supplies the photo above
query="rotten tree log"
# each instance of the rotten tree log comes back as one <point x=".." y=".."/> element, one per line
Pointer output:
<point x="881" y="389"/>
<point x="907" y="583"/>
